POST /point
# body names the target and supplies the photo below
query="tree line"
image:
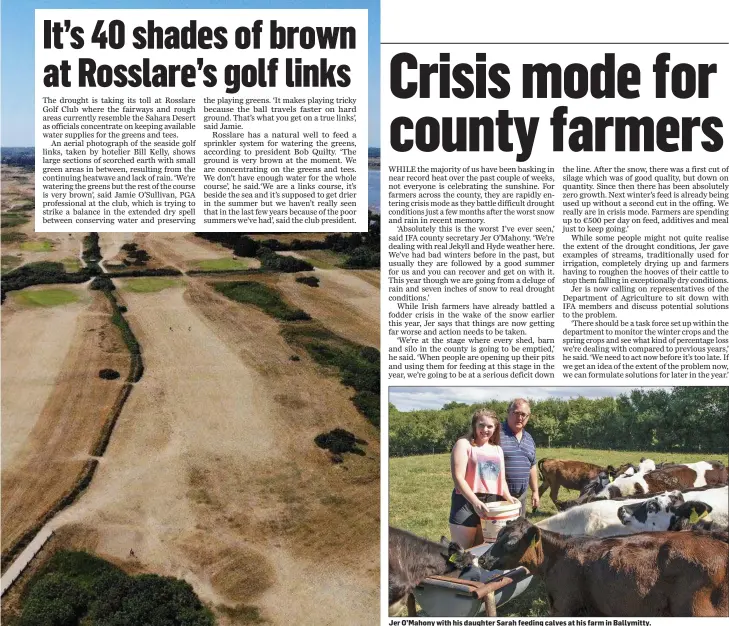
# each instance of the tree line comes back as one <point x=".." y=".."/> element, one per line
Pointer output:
<point x="678" y="419"/>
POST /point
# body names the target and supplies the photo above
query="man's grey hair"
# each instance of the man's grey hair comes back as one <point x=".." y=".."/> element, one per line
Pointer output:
<point x="517" y="402"/>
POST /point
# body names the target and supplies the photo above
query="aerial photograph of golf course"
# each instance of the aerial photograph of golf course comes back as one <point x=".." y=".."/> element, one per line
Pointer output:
<point x="190" y="424"/>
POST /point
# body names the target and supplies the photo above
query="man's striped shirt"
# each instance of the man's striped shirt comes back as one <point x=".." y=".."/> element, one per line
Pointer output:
<point x="519" y="457"/>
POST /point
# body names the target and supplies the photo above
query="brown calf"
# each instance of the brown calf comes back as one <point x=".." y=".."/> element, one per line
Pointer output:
<point x="687" y="474"/>
<point x="668" y="477"/>
<point x="659" y="574"/>
<point x="556" y="473"/>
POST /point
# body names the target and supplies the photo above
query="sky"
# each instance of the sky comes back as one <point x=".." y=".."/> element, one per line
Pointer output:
<point x="413" y="398"/>
<point x="18" y="51"/>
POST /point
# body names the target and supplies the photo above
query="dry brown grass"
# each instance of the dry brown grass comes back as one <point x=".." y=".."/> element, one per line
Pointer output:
<point x="212" y="473"/>
<point x="52" y="454"/>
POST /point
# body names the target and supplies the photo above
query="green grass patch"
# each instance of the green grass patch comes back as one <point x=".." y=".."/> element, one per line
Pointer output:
<point x="420" y="496"/>
<point x="47" y="297"/>
<point x="13" y="237"/>
<point x="37" y="246"/>
<point x="71" y="264"/>
<point x="9" y="261"/>
<point x="11" y="219"/>
<point x="263" y="297"/>
<point x="220" y="265"/>
<point x="323" y="259"/>
<point x="150" y="284"/>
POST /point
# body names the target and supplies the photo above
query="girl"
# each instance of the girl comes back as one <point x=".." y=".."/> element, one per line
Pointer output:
<point x="477" y="467"/>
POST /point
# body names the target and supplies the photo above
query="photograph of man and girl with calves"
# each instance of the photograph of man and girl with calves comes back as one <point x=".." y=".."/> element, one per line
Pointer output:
<point x="531" y="502"/>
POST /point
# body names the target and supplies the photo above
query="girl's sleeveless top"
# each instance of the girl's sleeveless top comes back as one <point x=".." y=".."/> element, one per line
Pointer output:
<point x="483" y="472"/>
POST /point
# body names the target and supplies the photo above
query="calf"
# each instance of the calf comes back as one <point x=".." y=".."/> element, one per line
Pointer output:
<point x="668" y="477"/>
<point x="412" y="559"/>
<point x="645" y="575"/>
<point x="691" y="516"/>
<point x="556" y="473"/>
<point x="698" y="474"/>
<point x="598" y="519"/>
<point x="588" y="493"/>
<point x="657" y="512"/>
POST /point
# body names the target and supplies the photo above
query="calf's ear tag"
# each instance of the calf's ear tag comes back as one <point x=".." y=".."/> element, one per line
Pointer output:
<point x="610" y="479"/>
<point x="694" y="517"/>
<point x="534" y="542"/>
<point x="452" y="558"/>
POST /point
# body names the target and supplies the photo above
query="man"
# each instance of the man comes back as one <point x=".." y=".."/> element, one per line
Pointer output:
<point x="520" y="454"/>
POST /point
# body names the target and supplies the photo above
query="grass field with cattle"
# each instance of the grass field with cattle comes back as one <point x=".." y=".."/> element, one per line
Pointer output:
<point x="420" y="491"/>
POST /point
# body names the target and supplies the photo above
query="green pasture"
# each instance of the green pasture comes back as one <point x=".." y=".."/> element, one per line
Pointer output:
<point x="150" y="284"/>
<point x="37" y="246"/>
<point x="46" y="297"/>
<point x="220" y="265"/>
<point x="420" y="497"/>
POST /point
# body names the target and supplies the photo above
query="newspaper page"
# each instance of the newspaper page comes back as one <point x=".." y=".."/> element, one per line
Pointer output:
<point x="190" y="312"/>
<point x="556" y="221"/>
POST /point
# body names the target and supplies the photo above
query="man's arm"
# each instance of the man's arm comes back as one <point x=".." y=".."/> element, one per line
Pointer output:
<point x="534" y="485"/>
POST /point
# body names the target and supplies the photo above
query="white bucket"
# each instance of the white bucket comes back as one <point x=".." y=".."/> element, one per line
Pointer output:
<point x="498" y="514"/>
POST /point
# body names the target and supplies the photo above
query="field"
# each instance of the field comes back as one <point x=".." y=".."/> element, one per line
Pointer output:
<point x="49" y="430"/>
<point x="211" y="473"/>
<point x="420" y="490"/>
<point x="186" y="252"/>
<point x="43" y="245"/>
<point x="46" y="297"/>
<point x="204" y="475"/>
<point x="148" y="285"/>
<point x="345" y="301"/>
